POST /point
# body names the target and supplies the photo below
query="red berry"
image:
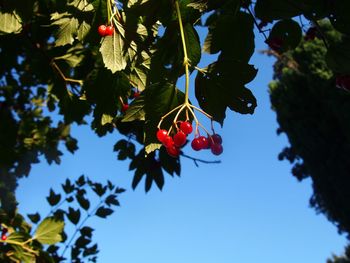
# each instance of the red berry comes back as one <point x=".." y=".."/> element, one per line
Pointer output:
<point x="186" y="127"/>
<point x="125" y="107"/>
<point x="173" y="151"/>
<point x="204" y="141"/>
<point x="197" y="144"/>
<point x="161" y="134"/>
<point x="3" y="237"/>
<point x="209" y="140"/>
<point x="180" y="138"/>
<point x="216" y="138"/>
<point x="109" y="30"/>
<point x="168" y="141"/>
<point x="102" y="30"/>
<point x="136" y="94"/>
<point x="216" y="149"/>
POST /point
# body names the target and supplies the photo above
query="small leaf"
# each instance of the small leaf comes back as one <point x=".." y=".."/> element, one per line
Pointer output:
<point x="67" y="28"/>
<point x="99" y="189"/>
<point x="104" y="212"/>
<point x="112" y="53"/>
<point x="136" y="110"/>
<point x="112" y="200"/>
<point x="53" y="198"/>
<point x="10" y="23"/>
<point x="86" y="231"/>
<point x="49" y="231"/>
<point x="73" y="215"/>
<point x="68" y="187"/>
<point x="83" y="202"/>
<point x="106" y="119"/>
<point x="35" y="218"/>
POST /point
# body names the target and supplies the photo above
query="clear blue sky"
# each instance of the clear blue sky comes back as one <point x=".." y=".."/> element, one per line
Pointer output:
<point x="248" y="209"/>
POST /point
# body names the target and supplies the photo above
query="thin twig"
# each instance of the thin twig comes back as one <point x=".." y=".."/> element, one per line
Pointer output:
<point x="196" y="160"/>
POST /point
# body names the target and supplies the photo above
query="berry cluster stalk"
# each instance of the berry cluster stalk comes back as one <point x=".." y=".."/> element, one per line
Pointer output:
<point x="187" y="106"/>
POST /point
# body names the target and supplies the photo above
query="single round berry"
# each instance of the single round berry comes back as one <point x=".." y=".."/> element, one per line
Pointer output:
<point x="161" y="134"/>
<point x="186" y="127"/>
<point x="173" y="151"/>
<point x="3" y="237"/>
<point x="180" y="138"/>
<point x="197" y="144"/>
<point x="204" y="141"/>
<point x="102" y="30"/>
<point x="125" y="107"/>
<point x="216" y="149"/>
<point x="168" y="141"/>
<point x="216" y="138"/>
<point x="109" y="30"/>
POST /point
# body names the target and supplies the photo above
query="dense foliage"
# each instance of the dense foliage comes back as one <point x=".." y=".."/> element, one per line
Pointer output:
<point x="119" y="62"/>
<point x="315" y="116"/>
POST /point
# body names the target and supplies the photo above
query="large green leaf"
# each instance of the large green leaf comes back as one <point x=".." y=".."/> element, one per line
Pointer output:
<point x="49" y="231"/>
<point x="223" y="86"/>
<point x="67" y="28"/>
<point x="10" y="23"/>
<point x="112" y="53"/>
<point x="240" y="43"/>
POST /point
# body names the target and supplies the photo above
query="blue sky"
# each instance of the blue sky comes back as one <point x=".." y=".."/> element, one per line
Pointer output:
<point x="247" y="209"/>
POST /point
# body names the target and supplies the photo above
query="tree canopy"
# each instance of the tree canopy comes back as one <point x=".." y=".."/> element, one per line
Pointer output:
<point x="115" y="65"/>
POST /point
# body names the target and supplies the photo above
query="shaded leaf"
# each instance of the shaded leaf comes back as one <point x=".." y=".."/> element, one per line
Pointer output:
<point x="104" y="212"/>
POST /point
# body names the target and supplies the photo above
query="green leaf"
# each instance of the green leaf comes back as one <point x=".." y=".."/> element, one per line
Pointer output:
<point x="103" y="212"/>
<point x="53" y="198"/>
<point x="18" y="237"/>
<point x="67" y="28"/>
<point x="82" y="5"/>
<point x="106" y="119"/>
<point x="83" y="30"/>
<point x="223" y="86"/>
<point x="136" y="110"/>
<point x="73" y="56"/>
<point x="49" y="231"/>
<point x="112" y="53"/>
<point x="10" y="23"/>
<point x="192" y="44"/>
<point x="152" y="147"/>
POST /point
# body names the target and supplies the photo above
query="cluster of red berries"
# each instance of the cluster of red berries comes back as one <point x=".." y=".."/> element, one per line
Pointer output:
<point x="343" y="82"/>
<point x="104" y="30"/>
<point x="4" y="234"/>
<point x="173" y="144"/>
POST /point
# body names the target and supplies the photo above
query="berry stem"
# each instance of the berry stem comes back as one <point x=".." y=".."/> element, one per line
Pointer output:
<point x="186" y="60"/>
<point x="109" y="11"/>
